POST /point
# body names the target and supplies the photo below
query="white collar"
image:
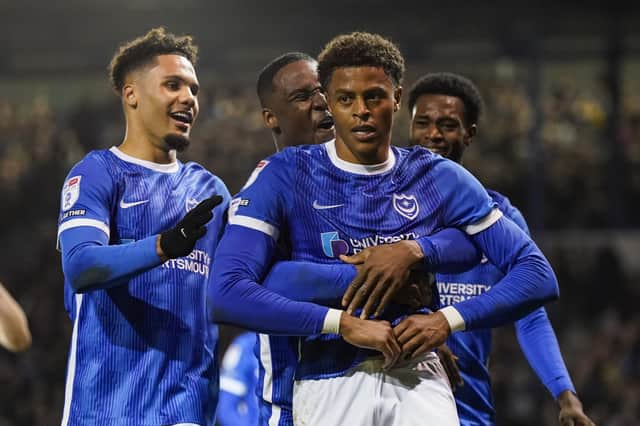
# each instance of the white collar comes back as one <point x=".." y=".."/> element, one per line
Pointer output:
<point x="162" y="168"/>
<point x="359" y="169"/>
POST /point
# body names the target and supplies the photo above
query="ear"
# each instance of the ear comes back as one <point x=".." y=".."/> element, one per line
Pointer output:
<point x="129" y="96"/>
<point x="397" y="94"/>
<point x="270" y="120"/>
<point x="471" y="133"/>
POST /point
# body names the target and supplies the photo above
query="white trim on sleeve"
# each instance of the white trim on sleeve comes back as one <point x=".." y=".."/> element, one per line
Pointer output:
<point x="258" y="225"/>
<point x="455" y="320"/>
<point x="484" y="223"/>
<point x="75" y="223"/>
<point x="331" y="323"/>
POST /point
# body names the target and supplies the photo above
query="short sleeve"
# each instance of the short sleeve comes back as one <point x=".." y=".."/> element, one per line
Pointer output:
<point x="466" y="204"/>
<point x="261" y="204"/>
<point x="86" y="196"/>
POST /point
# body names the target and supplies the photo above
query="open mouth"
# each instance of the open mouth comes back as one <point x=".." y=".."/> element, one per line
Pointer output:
<point x="326" y="123"/>
<point x="182" y="116"/>
<point x="363" y="132"/>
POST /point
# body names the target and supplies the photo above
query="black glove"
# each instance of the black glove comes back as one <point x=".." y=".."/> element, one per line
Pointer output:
<point x="179" y="241"/>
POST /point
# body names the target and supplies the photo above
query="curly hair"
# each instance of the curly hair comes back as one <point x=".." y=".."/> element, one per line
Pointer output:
<point x="141" y="51"/>
<point x="360" y="49"/>
<point x="265" y="78"/>
<point x="449" y="84"/>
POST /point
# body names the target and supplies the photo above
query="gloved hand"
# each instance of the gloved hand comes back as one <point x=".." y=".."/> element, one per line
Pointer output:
<point x="180" y="240"/>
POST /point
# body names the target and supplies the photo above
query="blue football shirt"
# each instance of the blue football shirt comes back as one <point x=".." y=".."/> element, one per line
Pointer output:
<point x="325" y="207"/>
<point x="143" y="352"/>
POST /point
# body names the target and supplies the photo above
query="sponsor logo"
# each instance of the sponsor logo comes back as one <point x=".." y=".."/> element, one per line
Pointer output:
<point x="197" y="262"/>
<point x="70" y="192"/>
<point x="332" y="246"/>
<point x="126" y="205"/>
<point x="451" y="293"/>
<point x="254" y="175"/>
<point x="73" y="213"/>
<point x="406" y="205"/>
<point x="325" y="207"/>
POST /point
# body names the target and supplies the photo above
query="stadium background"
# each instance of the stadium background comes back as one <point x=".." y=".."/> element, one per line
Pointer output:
<point x="561" y="137"/>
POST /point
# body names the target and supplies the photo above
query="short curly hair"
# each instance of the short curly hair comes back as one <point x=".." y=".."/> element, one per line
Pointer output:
<point x="265" y="79"/>
<point x="141" y="51"/>
<point x="449" y="84"/>
<point x="360" y="49"/>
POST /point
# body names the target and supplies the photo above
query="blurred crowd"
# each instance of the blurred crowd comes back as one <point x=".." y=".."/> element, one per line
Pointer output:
<point x="596" y="318"/>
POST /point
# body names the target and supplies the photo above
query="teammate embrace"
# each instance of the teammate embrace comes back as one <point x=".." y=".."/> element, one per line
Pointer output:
<point x="345" y="337"/>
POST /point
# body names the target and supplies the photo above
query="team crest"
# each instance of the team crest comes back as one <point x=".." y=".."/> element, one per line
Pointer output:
<point x="406" y="205"/>
<point x="70" y="192"/>
<point x="191" y="203"/>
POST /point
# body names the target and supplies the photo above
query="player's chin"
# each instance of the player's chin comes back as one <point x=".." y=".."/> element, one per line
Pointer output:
<point x="177" y="141"/>
<point x="323" y="135"/>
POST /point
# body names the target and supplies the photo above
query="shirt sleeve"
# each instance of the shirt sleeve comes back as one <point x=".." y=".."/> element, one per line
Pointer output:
<point x="529" y="280"/>
<point x="465" y="202"/>
<point x="235" y="295"/>
<point x="540" y="346"/>
<point x="535" y="333"/>
<point x="87" y="197"/>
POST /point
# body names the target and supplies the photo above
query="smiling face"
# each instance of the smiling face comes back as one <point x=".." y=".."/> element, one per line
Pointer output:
<point x="162" y="101"/>
<point x="297" y="109"/>
<point x="362" y="101"/>
<point x="438" y="124"/>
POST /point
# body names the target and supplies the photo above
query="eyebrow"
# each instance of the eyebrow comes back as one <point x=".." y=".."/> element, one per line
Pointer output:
<point x="182" y="79"/>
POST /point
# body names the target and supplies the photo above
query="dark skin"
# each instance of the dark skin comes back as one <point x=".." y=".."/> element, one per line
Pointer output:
<point x="296" y="111"/>
<point x="439" y="123"/>
<point x="363" y="101"/>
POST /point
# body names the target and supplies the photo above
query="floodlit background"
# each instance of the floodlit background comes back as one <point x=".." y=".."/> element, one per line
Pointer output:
<point x="561" y="137"/>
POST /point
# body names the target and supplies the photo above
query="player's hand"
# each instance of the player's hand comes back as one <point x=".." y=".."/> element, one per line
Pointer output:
<point x="571" y="413"/>
<point x="448" y="360"/>
<point x="417" y="293"/>
<point x="419" y="333"/>
<point x="383" y="271"/>
<point x="370" y="334"/>
<point x="179" y="241"/>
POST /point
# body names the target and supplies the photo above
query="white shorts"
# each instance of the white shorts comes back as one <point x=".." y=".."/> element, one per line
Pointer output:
<point x="413" y="393"/>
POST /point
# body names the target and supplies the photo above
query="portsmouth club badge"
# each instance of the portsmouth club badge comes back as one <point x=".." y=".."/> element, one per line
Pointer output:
<point x="406" y="205"/>
<point x="70" y="192"/>
<point x="190" y="203"/>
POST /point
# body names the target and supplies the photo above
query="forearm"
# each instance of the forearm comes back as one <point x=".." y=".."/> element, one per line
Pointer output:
<point x="14" y="328"/>
<point x="528" y="283"/>
<point x="90" y="264"/>
<point x="540" y="346"/>
<point x="235" y="297"/>
<point x="324" y="284"/>
<point x="449" y="251"/>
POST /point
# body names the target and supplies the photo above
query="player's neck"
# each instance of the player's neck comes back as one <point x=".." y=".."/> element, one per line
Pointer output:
<point x="369" y="157"/>
<point x="145" y="150"/>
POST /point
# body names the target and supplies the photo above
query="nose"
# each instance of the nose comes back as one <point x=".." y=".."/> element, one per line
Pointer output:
<point x="433" y="132"/>
<point x="361" y="109"/>
<point x="319" y="101"/>
<point x="187" y="97"/>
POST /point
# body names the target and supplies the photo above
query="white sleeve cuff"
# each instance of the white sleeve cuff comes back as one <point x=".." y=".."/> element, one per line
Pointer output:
<point x="332" y="322"/>
<point x="455" y="320"/>
<point x="484" y="223"/>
